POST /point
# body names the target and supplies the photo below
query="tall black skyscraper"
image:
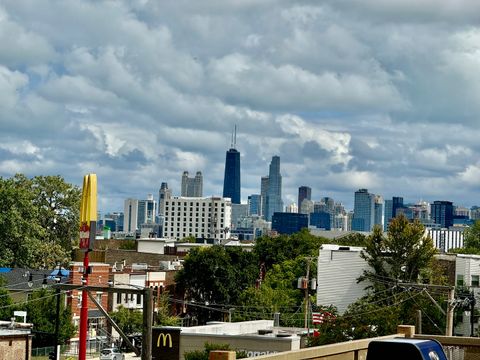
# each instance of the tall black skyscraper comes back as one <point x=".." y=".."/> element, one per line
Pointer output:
<point x="442" y="213"/>
<point x="231" y="180"/>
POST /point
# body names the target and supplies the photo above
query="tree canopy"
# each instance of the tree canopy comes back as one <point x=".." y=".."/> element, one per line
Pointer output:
<point x="38" y="221"/>
<point x="215" y="276"/>
<point x="471" y="240"/>
<point x="403" y="256"/>
<point x="41" y="311"/>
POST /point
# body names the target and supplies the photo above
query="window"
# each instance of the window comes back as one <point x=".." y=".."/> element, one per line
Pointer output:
<point x="460" y="281"/>
<point x="119" y="298"/>
<point x="139" y="299"/>
<point x="475" y="280"/>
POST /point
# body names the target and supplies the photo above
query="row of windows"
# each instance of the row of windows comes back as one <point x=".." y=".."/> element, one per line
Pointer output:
<point x="196" y="204"/>
<point x="198" y="235"/>
<point x="475" y="280"/>
<point x="128" y="298"/>
<point x="196" y="215"/>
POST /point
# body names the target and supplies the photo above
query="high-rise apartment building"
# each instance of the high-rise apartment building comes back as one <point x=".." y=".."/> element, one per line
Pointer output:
<point x="231" y="179"/>
<point x="255" y="205"/>
<point x="130" y="218"/>
<point x="397" y="203"/>
<point x="192" y="187"/>
<point x="273" y="201"/>
<point x="378" y="218"/>
<point x="363" y="211"/>
<point x="206" y="217"/>
<point x="163" y="194"/>
<point x="147" y="210"/>
<point x="304" y="192"/>
<point x="263" y="194"/>
<point x="442" y="213"/>
<point x="388" y="214"/>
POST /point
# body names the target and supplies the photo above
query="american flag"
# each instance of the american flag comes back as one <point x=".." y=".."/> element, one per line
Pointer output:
<point x="320" y="317"/>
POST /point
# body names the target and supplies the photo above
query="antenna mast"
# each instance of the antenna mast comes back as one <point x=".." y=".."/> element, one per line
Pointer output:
<point x="235" y="137"/>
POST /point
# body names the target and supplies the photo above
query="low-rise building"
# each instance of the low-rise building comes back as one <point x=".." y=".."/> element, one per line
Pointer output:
<point x="259" y="337"/>
<point x="339" y="267"/>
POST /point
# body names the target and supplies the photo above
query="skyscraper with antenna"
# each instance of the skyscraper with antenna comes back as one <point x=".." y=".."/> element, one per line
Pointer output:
<point x="231" y="179"/>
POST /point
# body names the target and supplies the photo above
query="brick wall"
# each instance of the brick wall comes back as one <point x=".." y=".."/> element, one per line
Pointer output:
<point x="15" y="347"/>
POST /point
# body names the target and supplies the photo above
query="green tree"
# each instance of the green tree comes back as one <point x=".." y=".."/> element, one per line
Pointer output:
<point x="204" y="354"/>
<point x="163" y="316"/>
<point x="471" y="240"/>
<point x="130" y="321"/>
<point x="38" y="221"/>
<point x="285" y="247"/>
<point x="20" y="231"/>
<point x="403" y="255"/>
<point x="6" y="302"/>
<point x="41" y="311"/>
<point x="214" y="277"/>
<point x="58" y="204"/>
<point x="276" y="293"/>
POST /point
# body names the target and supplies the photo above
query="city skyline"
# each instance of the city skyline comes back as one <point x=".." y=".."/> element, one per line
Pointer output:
<point x="377" y="95"/>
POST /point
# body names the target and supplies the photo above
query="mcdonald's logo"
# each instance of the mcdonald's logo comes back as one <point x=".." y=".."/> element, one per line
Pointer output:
<point x="164" y="337"/>
<point x="88" y="212"/>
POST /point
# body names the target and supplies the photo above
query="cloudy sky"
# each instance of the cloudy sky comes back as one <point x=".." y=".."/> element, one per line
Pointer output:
<point x="375" y="94"/>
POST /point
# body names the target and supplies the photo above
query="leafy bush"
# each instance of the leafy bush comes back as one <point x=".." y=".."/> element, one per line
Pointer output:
<point x="203" y="354"/>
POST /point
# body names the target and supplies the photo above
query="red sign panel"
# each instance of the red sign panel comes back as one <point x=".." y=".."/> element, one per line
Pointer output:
<point x="84" y="236"/>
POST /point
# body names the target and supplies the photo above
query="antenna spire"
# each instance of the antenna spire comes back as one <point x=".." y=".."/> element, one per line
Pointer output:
<point x="235" y="137"/>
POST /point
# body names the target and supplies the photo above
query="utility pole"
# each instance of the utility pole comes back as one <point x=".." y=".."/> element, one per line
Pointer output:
<point x="147" y="324"/>
<point x="306" y="286"/>
<point x="450" y="301"/>
<point x="450" y="308"/>
<point x="57" y="325"/>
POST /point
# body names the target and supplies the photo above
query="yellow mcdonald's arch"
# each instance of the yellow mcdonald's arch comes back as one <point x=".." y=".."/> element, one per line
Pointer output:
<point x="88" y="211"/>
<point x="164" y="337"/>
<point x="88" y="207"/>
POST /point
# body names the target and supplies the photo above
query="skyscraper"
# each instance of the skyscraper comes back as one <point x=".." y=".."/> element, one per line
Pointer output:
<point x="255" y="204"/>
<point x="163" y="194"/>
<point x="304" y="192"/>
<point x="192" y="187"/>
<point x="363" y="211"/>
<point x="147" y="209"/>
<point x="231" y="179"/>
<point x="378" y="210"/>
<point x="442" y="213"/>
<point x="274" y="202"/>
<point x="388" y="214"/>
<point x="397" y="203"/>
<point x="130" y="218"/>
<point x="263" y="194"/>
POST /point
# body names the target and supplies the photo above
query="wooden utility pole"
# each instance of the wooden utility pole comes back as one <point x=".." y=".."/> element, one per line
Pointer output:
<point x="450" y="301"/>
<point x="450" y="308"/>
<point x="306" y="294"/>
<point x="147" y="308"/>
<point x="147" y="324"/>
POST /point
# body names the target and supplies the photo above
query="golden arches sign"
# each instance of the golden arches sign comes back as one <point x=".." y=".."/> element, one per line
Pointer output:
<point x="88" y="212"/>
<point x="164" y="337"/>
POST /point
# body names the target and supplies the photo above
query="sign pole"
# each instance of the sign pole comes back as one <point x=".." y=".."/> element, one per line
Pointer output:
<point x="88" y="220"/>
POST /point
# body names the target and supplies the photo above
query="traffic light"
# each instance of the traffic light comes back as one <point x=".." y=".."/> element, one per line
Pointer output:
<point x="51" y="356"/>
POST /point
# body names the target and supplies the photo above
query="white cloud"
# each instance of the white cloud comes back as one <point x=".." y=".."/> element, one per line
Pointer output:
<point x="376" y="94"/>
<point x="11" y="84"/>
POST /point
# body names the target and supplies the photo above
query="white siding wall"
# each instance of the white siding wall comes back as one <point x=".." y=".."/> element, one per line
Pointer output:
<point x="338" y="271"/>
